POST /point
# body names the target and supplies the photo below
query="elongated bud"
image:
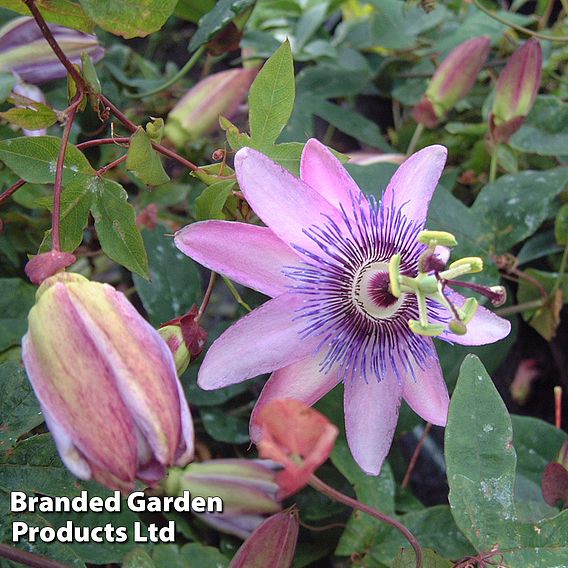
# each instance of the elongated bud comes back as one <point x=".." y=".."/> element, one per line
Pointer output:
<point x="198" y="111"/>
<point x="247" y="488"/>
<point x="516" y="90"/>
<point x="25" y="51"/>
<point x="272" y="544"/>
<point x="452" y="81"/>
<point x="106" y="383"/>
<point x="555" y="479"/>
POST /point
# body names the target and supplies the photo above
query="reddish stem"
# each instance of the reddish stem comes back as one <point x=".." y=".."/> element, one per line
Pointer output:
<point x="101" y="141"/>
<point x="558" y="407"/>
<point x="57" y="185"/>
<point x="27" y="558"/>
<point x="54" y="45"/>
<point x="332" y="493"/>
<point x="207" y="296"/>
<point x="112" y="165"/>
<point x="416" y="455"/>
<point x="11" y="190"/>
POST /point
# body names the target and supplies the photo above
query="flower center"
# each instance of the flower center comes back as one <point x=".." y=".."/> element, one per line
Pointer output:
<point x="371" y="292"/>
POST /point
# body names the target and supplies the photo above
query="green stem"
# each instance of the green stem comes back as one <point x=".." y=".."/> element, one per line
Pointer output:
<point x="494" y="161"/>
<point x="560" y="39"/>
<point x="561" y="271"/>
<point x="236" y="294"/>
<point x="415" y="138"/>
<point x="510" y="310"/>
<point x="181" y="73"/>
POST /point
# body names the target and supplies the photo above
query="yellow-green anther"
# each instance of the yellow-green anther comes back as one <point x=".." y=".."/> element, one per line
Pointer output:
<point x="429" y="329"/>
<point x="457" y="327"/>
<point x="394" y="274"/>
<point x="467" y="311"/>
<point x="475" y="263"/>
<point x="435" y="238"/>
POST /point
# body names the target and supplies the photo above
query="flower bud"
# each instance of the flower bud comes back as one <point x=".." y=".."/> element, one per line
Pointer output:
<point x="516" y="90"/>
<point x="185" y="338"/>
<point x="198" y="111"/>
<point x="106" y="383"/>
<point x="296" y="436"/>
<point x="452" y="81"/>
<point x="25" y="51"/>
<point x="248" y="489"/>
<point x="272" y="544"/>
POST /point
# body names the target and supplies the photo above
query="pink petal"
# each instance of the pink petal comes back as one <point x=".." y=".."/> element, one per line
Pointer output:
<point x="185" y="450"/>
<point x="426" y="392"/>
<point x="264" y="340"/>
<point x="443" y="253"/>
<point x="322" y="171"/>
<point x="285" y="203"/>
<point x="414" y="182"/>
<point x="302" y="381"/>
<point x="371" y="414"/>
<point x="251" y="255"/>
<point x="485" y="327"/>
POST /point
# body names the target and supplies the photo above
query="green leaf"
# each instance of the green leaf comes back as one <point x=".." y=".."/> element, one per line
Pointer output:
<point x="7" y="82"/>
<point x="537" y="443"/>
<point x="41" y="116"/>
<point x="210" y="204"/>
<point x="434" y="528"/>
<point x="129" y="18"/>
<point x="34" y="466"/>
<point x="62" y="12"/>
<point x="34" y="158"/>
<point x="143" y="161"/>
<point x="378" y="492"/>
<point x="174" y="284"/>
<point x="545" y="131"/>
<point x="224" y="427"/>
<point x="224" y="12"/>
<point x="561" y="225"/>
<point x="138" y="558"/>
<point x="515" y="206"/>
<point x="271" y="97"/>
<point x="16" y="299"/>
<point x="528" y="292"/>
<point x="115" y="223"/>
<point x="19" y="409"/>
<point x="407" y="559"/>
<point x="480" y="460"/>
<point x="192" y="554"/>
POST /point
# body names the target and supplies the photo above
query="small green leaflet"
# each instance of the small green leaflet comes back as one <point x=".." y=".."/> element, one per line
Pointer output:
<point x="143" y="161"/>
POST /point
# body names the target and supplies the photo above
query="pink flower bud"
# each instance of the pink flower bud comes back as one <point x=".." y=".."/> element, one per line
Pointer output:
<point x="516" y="90"/>
<point x="198" y="111"/>
<point x="25" y="51"/>
<point x="47" y="264"/>
<point x="107" y="384"/>
<point x="452" y="81"/>
<point x="272" y="544"/>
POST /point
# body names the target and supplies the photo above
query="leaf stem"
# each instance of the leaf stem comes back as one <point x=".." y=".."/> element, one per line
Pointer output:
<point x="494" y="161"/>
<point x="518" y="308"/>
<point x="332" y="493"/>
<point x="112" y="165"/>
<point x="236" y="294"/>
<point x="181" y="73"/>
<point x="58" y="181"/>
<point x="415" y="138"/>
<point x="28" y="558"/>
<point x="561" y="271"/>
<point x="207" y="296"/>
<point x="416" y="454"/>
<point x="11" y="190"/>
<point x="561" y="39"/>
